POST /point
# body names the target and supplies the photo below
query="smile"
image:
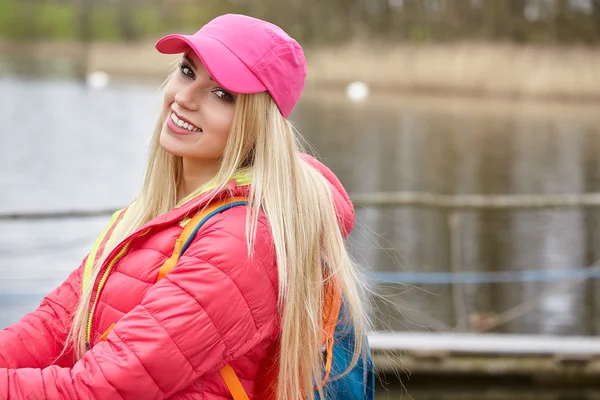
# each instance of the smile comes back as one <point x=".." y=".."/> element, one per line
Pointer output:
<point x="183" y="124"/>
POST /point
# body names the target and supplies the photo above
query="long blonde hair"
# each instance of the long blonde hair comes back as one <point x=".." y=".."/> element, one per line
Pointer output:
<point x="298" y="203"/>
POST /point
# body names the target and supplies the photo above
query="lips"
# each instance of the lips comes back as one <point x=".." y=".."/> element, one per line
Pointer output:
<point x="182" y="123"/>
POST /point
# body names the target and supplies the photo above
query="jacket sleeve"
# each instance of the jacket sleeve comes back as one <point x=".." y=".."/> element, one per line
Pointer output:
<point x="38" y="338"/>
<point x="213" y="307"/>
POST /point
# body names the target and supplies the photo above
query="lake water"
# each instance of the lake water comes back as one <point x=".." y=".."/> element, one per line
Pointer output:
<point x="66" y="147"/>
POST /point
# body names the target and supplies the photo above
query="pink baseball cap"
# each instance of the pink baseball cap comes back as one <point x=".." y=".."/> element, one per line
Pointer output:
<point x="246" y="55"/>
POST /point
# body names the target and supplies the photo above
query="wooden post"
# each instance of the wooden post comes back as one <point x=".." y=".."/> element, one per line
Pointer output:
<point x="85" y="36"/>
<point x="459" y="300"/>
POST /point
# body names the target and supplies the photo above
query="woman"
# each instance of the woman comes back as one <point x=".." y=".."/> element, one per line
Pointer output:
<point x="248" y="291"/>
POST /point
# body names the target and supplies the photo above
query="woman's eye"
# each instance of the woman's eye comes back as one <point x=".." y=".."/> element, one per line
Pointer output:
<point x="187" y="71"/>
<point x="224" y="95"/>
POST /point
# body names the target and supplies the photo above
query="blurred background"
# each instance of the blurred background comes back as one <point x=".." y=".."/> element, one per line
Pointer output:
<point x="466" y="131"/>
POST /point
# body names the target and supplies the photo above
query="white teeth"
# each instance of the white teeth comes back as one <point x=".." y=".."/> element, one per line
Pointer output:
<point x="183" y="124"/>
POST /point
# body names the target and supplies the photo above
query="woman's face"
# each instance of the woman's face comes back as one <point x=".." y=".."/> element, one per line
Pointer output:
<point x="199" y="113"/>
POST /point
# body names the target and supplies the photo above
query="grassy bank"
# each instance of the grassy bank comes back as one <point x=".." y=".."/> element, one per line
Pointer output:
<point x="469" y="69"/>
<point x="472" y="69"/>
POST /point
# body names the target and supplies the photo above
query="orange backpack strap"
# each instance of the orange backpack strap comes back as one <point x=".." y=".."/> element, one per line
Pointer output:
<point x="332" y="294"/>
<point x="331" y="313"/>
<point x="181" y="244"/>
<point x="233" y="383"/>
<point x="193" y="226"/>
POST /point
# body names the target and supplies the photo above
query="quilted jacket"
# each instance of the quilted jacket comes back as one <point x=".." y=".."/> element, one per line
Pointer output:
<point x="169" y="340"/>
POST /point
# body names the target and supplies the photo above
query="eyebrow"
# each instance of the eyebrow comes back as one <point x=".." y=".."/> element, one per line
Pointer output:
<point x="193" y="64"/>
<point x="190" y="61"/>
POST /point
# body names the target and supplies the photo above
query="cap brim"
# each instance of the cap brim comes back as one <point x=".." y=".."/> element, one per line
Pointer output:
<point x="222" y="65"/>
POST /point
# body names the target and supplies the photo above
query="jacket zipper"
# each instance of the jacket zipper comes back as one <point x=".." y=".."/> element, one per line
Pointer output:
<point x="116" y="258"/>
<point x="119" y="255"/>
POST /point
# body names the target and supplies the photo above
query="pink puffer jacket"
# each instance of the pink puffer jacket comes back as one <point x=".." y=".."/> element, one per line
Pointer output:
<point x="170" y="338"/>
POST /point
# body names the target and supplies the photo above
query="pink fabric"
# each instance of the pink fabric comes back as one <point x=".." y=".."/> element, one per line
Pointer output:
<point x="170" y="338"/>
<point x="273" y="61"/>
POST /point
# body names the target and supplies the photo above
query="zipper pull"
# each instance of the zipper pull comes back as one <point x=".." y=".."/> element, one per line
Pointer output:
<point x="87" y="345"/>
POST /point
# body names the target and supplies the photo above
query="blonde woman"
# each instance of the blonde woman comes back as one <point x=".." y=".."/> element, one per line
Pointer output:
<point x="248" y="295"/>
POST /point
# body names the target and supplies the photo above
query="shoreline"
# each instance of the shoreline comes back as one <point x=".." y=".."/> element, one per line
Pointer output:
<point x="473" y="70"/>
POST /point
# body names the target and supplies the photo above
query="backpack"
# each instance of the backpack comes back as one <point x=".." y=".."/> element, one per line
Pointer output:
<point x="338" y="338"/>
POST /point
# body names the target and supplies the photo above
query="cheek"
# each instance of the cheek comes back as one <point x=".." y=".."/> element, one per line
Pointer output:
<point x="219" y="123"/>
<point x="168" y="95"/>
<point x="225" y="122"/>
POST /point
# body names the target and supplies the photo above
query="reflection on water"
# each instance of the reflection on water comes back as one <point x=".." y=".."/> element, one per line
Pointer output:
<point x="63" y="146"/>
<point x="470" y="147"/>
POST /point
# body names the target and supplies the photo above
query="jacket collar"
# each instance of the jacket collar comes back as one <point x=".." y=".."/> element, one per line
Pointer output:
<point x="235" y="187"/>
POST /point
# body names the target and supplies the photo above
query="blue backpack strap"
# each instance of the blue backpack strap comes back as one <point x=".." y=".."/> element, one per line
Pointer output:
<point x="359" y="383"/>
<point x="182" y="243"/>
<point x="193" y="226"/>
<point x="207" y="217"/>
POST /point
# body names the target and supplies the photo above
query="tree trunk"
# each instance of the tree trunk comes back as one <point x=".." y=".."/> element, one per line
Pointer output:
<point x="596" y="16"/>
<point x="125" y="22"/>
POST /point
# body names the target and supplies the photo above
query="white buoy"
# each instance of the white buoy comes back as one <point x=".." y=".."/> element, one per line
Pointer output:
<point x="357" y="91"/>
<point x="97" y="80"/>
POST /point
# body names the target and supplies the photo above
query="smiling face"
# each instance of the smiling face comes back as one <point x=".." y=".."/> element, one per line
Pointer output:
<point x="199" y="114"/>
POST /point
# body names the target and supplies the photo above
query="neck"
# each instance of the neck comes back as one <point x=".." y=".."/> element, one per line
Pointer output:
<point x="195" y="174"/>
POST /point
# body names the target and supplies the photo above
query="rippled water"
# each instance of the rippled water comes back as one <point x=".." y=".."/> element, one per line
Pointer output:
<point x="470" y="147"/>
<point x="63" y="147"/>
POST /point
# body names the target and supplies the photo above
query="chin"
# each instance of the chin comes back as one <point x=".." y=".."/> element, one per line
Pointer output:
<point x="172" y="146"/>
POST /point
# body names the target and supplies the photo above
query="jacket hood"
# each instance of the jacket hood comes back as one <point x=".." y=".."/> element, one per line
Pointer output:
<point x="343" y="205"/>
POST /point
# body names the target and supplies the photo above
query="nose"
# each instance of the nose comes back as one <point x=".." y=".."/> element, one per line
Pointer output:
<point x="185" y="98"/>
